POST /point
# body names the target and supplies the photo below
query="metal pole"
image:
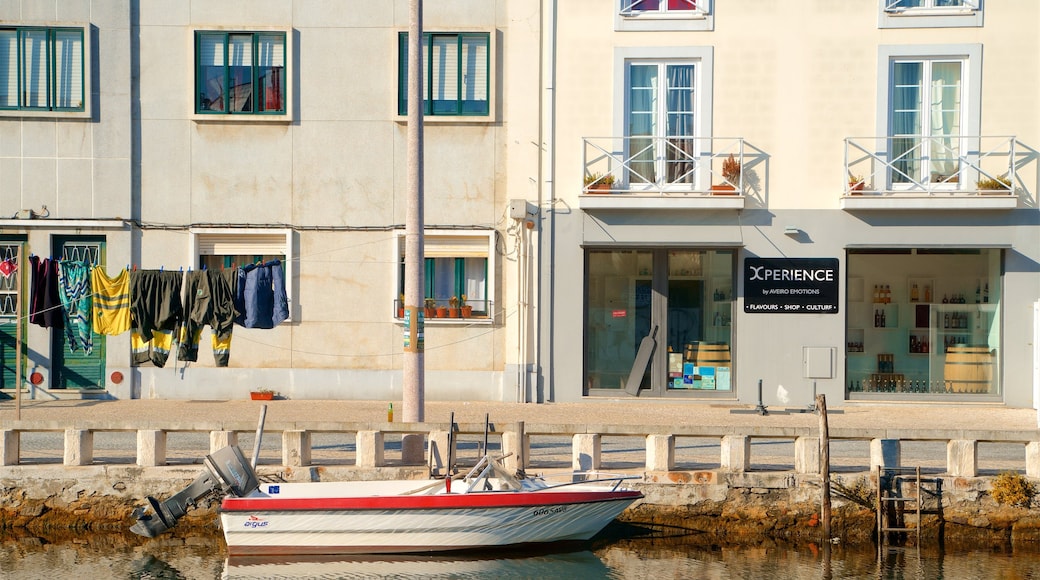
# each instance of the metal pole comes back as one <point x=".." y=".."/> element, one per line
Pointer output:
<point x="414" y="361"/>
<point x="760" y="408"/>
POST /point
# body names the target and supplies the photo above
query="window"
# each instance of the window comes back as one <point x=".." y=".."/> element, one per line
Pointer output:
<point x="662" y="122"/>
<point x="457" y="264"/>
<point x="240" y="73"/>
<point x="631" y="7"/>
<point x="230" y="248"/>
<point x="930" y="13"/>
<point x="930" y="108"/>
<point x="457" y="76"/>
<point x="664" y="15"/>
<point x="42" y="69"/>
<point x="926" y="120"/>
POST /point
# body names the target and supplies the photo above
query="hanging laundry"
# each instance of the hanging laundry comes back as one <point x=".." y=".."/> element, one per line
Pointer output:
<point x="74" y="293"/>
<point x="155" y="312"/>
<point x="260" y="297"/>
<point x="209" y="298"/>
<point x="7" y="267"/>
<point x="44" y="303"/>
<point x="111" y="302"/>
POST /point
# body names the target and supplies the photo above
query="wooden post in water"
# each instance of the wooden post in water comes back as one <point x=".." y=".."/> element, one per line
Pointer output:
<point x="825" y="467"/>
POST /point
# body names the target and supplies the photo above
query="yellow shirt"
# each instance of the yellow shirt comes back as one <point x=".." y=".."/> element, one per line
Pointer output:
<point x="111" y="302"/>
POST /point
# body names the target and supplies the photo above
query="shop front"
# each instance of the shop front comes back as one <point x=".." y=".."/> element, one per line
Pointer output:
<point x="658" y="322"/>
<point x="924" y="323"/>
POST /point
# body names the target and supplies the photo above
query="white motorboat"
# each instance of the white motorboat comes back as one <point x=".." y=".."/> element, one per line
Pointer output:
<point x="488" y="507"/>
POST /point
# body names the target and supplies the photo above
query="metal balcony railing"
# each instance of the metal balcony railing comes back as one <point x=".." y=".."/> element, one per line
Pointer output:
<point x="930" y="165"/>
<point x="444" y="309"/>
<point x="663" y="165"/>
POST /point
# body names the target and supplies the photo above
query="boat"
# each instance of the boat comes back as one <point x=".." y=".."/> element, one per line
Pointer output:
<point x="488" y="507"/>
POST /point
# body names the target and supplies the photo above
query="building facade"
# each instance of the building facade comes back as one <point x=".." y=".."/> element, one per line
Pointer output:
<point x="730" y="201"/>
<point x="212" y="136"/>
<point x="778" y="201"/>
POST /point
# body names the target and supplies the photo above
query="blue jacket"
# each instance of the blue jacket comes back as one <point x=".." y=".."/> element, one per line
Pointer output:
<point x="260" y="295"/>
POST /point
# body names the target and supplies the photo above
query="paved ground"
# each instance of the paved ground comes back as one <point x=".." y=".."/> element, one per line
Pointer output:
<point x="616" y="412"/>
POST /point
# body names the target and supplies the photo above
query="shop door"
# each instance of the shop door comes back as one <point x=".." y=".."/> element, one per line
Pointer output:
<point x="681" y="300"/>
<point x="77" y="369"/>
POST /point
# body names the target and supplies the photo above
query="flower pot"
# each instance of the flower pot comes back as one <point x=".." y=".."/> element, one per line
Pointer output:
<point x="400" y="312"/>
<point x="442" y="312"/>
<point x="453" y="313"/>
<point x="598" y="188"/>
<point x="430" y="312"/>
<point x="856" y="187"/>
<point x="467" y="311"/>
<point x="258" y="396"/>
<point x="723" y="189"/>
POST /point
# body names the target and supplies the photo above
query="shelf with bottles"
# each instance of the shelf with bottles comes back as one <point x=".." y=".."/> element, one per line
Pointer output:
<point x="919" y="342"/>
<point x="921" y="291"/>
<point x="722" y="315"/>
<point x="882" y="293"/>
<point x="722" y="289"/>
<point x="854" y="341"/>
<point x="886" y="316"/>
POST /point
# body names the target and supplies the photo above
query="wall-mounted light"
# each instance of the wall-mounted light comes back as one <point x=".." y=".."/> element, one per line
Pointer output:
<point x="791" y="231"/>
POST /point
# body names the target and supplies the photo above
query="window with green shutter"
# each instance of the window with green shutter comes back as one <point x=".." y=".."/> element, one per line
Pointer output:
<point x="42" y="68"/>
<point x="456" y="74"/>
<point x="240" y="73"/>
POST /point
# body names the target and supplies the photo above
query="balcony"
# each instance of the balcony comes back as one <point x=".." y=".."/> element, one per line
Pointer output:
<point x="663" y="173"/>
<point x="931" y="172"/>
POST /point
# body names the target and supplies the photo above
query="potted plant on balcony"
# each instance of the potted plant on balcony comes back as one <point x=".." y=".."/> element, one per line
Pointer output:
<point x="731" y="177"/>
<point x="429" y="308"/>
<point x="466" y="309"/>
<point x="453" y="307"/>
<point x="994" y="186"/>
<point x="599" y="183"/>
<point x="400" y="307"/>
<point x="856" y="184"/>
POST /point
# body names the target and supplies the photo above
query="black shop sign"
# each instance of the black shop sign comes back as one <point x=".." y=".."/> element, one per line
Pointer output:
<point x="791" y="285"/>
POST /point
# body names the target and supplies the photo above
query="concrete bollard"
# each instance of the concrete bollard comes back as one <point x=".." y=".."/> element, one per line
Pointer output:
<point x="296" y="448"/>
<point x="151" y="447"/>
<point x="370" y="452"/>
<point x="885" y="453"/>
<point x="9" y="447"/>
<point x="807" y="455"/>
<point x="439" y="452"/>
<point x="660" y="452"/>
<point x="1033" y="459"/>
<point x="962" y="458"/>
<point x="221" y="439"/>
<point x="79" y="447"/>
<point x="585" y="452"/>
<point x="736" y="453"/>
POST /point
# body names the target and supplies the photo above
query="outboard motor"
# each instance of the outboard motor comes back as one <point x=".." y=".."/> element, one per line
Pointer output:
<point x="227" y="472"/>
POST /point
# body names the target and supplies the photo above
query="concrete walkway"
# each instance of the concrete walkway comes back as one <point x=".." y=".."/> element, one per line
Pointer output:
<point x="942" y="416"/>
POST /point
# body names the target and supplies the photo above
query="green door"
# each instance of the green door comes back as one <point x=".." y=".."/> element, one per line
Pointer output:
<point x="78" y="369"/>
<point x="9" y="318"/>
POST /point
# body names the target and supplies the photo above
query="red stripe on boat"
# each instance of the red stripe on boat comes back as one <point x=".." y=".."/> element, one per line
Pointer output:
<point x="425" y="502"/>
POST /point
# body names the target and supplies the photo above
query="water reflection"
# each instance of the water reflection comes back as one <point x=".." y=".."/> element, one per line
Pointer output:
<point x="202" y="556"/>
<point x="580" y="564"/>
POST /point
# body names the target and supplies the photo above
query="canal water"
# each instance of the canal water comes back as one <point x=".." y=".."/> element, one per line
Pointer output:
<point x="115" y="556"/>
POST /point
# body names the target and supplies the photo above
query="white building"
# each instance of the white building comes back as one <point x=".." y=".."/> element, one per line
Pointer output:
<point x="838" y="194"/>
<point x="886" y="165"/>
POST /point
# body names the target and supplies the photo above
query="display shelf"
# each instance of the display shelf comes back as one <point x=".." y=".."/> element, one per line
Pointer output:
<point x="921" y="290"/>
<point x="885" y="316"/>
<point x="855" y="289"/>
<point x="854" y="343"/>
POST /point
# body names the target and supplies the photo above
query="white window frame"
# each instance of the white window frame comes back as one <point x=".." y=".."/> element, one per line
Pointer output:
<point x="700" y="19"/>
<point x="971" y="14"/>
<point x="247" y="241"/>
<point x="430" y="238"/>
<point x="85" y="112"/>
<point x="971" y="90"/>
<point x="701" y="56"/>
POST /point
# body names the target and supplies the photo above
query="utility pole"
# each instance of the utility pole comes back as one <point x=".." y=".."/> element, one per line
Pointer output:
<point x="414" y="403"/>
